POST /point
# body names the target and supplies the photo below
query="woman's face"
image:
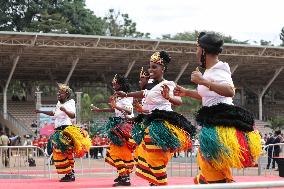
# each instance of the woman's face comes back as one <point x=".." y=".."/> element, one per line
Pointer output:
<point x="116" y="86"/>
<point x="61" y="95"/>
<point x="143" y="81"/>
<point x="156" y="71"/>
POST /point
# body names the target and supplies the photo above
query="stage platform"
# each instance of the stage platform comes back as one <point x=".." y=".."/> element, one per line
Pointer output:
<point x="107" y="182"/>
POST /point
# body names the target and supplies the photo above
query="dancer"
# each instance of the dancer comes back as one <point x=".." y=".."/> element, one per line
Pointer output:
<point x="227" y="138"/>
<point x="118" y="129"/>
<point x="162" y="131"/>
<point x="67" y="139"/>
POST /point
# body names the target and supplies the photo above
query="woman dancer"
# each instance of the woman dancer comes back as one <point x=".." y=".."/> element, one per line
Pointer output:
<point x="118" y="129"/>
<point x="67" y="139"/>
<point x="227" y="138"/>
<point x="162" y="131"/>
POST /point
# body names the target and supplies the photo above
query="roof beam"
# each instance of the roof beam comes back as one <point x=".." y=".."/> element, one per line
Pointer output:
<point x="183" y="68"/>
<point x="130" y="66"/>
<point x="33" y="41"/>
<point x="74" y="64"/>
<point x="234" y="68"/>
<point x="156" y="46"/>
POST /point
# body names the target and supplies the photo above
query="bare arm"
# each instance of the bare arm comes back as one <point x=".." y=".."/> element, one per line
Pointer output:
<point x="69" y="113"/>
<point x="50" y="113"/>
<point x="221" y="89"/>
<point x="137" y="94"/>
<point x="181" y="91"/>
<point x="96" y="109"/>
<point x="175" y="101"/>
<point x="127" y="111"/>
<point x="225" y="90"/>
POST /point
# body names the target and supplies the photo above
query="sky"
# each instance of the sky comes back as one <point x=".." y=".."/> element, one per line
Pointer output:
<point x="251" y="20"/>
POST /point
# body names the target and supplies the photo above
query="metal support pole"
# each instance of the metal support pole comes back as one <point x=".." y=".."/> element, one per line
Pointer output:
<point x="74" y="64"/>
<point x="15" y="62"/>
<point x="260" y="95"/>
<point x="130" y="66"/>
<point x="234" y="68"/>
<point x="183" y="68"/>
<point x="38" y="106"/>
<point x="78" y="106"/>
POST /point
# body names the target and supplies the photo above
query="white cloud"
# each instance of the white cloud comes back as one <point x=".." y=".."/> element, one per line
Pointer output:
<point x="242" y="19"/>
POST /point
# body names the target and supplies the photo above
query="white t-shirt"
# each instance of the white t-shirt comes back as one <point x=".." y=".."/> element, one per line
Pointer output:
<point x="219" y="73"/>
<point x="153" y="98"/>
<point x="61" y="118"/>
<point x="125" y="103"/>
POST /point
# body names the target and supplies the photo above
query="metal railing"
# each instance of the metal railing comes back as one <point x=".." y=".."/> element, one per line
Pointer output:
<point x="22" y="128"/>
<point x="14" y="161"/>
<point x="243" y="185"/>
<point x="281" y="153"/>
<point x="177" y="167"/>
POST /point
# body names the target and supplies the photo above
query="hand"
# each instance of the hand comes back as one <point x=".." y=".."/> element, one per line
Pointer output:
<point x="179" y="91"/>
<point x="120" y="94"/>
<point x="62" y="109"/>
<point x="94" y="108"/>
<point x="36" y="111"/>
<point x="112" y="103"/>
<point x="196" y="77"/>
<point x="166" y="92"/>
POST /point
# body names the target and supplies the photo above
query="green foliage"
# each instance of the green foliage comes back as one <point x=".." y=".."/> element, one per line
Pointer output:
<point x="189" y="105"/>
<point x="276" y="123"/>
<point x="265" y="43"/>
<point x="118" y="24"/>
<point x="56" y="16"/>
<point x="192" y="36"/>
<point x="282" y="36"/>
<point x="86" y="113"/>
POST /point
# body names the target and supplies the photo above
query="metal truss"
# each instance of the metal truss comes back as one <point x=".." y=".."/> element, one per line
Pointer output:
<point x="129" y="44"/>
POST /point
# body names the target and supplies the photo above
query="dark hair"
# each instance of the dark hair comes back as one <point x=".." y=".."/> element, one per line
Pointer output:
<point x="211" y="42"/>
<point x="166" y="58"/>
<point x="278" y="132"/>
<point x="123" y="82"/>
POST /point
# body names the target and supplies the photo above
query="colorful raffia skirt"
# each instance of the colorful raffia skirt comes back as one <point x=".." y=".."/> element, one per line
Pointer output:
<point x="119" y="153"/>
<point x="65" y="143"/>
<point x="159" y="135"/>
<point x="227" y="140"/>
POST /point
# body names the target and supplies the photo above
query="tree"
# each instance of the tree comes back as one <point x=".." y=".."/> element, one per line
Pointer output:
<point x="118" y="24"/>
<point x="192" y="36"/>
<point x="86" y="113"/>
<point x="265" y="43"/>
<point x="276" y="123"/>
<point x="282" y="37"/>
<point x="60" y="16"/>
<point x="189" y="105"/>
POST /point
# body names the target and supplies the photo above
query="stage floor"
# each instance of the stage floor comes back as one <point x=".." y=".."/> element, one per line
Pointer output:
<point x="107" y="182"/>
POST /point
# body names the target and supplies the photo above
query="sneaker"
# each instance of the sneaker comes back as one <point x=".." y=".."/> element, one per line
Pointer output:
<point x="117" y="179"/>
<point x="151" y="184"/>
<point x="123" y="181"/>
<point x="68" y="178"/>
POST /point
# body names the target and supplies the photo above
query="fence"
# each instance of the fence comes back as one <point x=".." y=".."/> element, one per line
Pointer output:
<point x="15" y="162"/>
<point x="184" y="165"/>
